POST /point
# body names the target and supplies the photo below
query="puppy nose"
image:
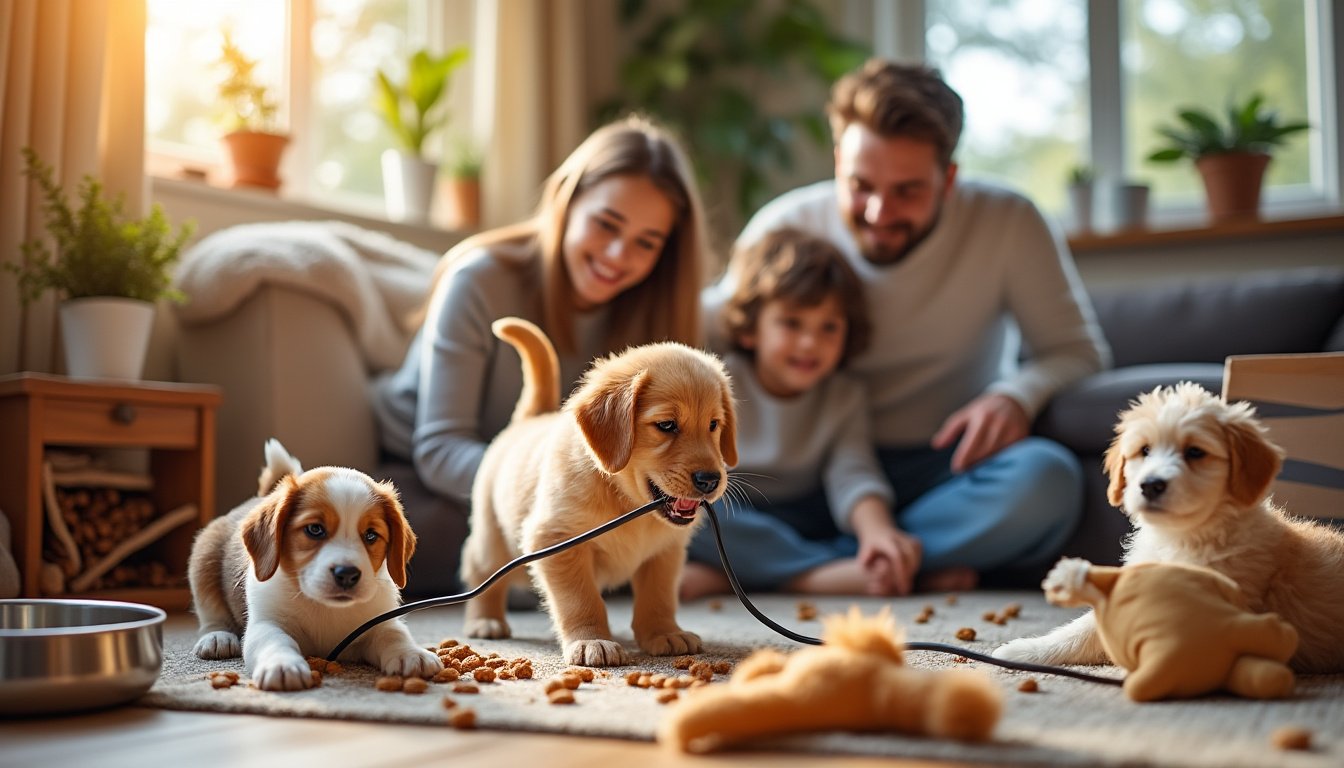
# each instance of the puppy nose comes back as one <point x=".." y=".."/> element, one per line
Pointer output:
<point x="346" y="576"/>
<point x="705" y="480"/>
<point x="1152" y="488"/>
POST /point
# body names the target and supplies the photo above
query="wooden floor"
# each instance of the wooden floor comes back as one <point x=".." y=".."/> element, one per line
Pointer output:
<point x="137" y="737"/>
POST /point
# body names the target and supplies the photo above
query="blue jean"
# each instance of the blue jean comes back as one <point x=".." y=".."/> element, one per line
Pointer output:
<point x="1012" y="510"/>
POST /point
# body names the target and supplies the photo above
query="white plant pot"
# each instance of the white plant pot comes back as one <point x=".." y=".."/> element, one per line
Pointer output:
<point x="408" y="186"/>
<point x="1080" y="204"/>
<point x="106" y="337"/>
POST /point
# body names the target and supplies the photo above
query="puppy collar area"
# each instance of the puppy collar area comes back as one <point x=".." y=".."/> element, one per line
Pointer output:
<point x="435" y="602"/>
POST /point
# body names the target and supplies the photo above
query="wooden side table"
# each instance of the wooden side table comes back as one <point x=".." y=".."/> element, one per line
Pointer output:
<point x="175" y="421"/>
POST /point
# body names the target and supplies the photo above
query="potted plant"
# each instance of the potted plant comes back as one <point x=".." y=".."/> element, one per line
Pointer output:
<point x="253" y="145"/>
<point x="1232" y="156"/>
<point x="409" y="108"/>
<point x="108" y="267"/>
<point x="464" y="186"/>
<point x="1080" y="191"/>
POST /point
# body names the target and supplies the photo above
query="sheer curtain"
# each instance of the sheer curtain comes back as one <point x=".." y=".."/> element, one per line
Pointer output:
<point x="72" y="88"/>
<point x="531" y="100"/>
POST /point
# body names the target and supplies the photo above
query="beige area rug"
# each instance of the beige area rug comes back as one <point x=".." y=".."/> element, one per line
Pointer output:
<point x="1068" y="722"/>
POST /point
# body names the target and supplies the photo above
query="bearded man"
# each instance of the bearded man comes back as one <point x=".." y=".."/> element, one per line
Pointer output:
<point x="960" y="277"/>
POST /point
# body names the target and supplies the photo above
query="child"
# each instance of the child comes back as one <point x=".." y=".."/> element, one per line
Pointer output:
<point x="797" y="315"/>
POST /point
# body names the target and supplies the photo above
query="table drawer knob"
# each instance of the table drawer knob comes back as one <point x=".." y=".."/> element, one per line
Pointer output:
<point x="123" y="413"/>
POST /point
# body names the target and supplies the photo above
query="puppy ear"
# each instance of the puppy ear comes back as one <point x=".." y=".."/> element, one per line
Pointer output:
<point x="400" y="537"/>
<point x="1114" y="464"/>
<point x="263" y="529"/>
<point x="728" y="437"/>
<point x="1253" y="461"/>
<point x="606" y="416"/>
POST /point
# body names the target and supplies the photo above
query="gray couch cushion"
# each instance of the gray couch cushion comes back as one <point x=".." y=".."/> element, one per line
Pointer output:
<point x="1208" y="319"/>
<point x="1083" y="416"/>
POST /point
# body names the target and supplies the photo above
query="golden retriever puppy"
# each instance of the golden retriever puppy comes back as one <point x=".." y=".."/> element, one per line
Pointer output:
<point x="654" y="422"/>
<point x="1192" y="473"/>
<point x="297" y="568"/>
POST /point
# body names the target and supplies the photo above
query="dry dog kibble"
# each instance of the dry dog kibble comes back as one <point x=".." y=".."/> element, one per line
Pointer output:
<point x="471" y="662"/>
<point x="447" y="675"/>
<point x="1291" y="737"/>
<point x="484" y="675"/>
<point x="585" y="674"/>
<point x="560" y="696"/>
<point x="961" y="660"/>
<point x="222" y="679"/>
<point x="448" y="702"/>
<point x="1028" y="686"/>
<point x="990" y="616"/>
<point x="632" y="678"/>
<point x="683" y="662"/>
<point x="462" y="718"/>
<point x="966" y="633"/>
<point x="414" y="685"/>
<point x="522" y="671"/>
<point x="1000" y="620"/>
<point x="460" y="652"/>
<point x="317" y="677"/>
<point x="506" y="674"/>
<point x="951" y="599"/>
<point x="570" y="679"/>
<point x="702" y="671"/>
<point x="447" y="643"/>
<point x="806" y="611"/>
<point x="1012" y="610"/>
<point x="465" y="688"/>
<point x="495" y="662"/>
<point x="667" y="697"/>
<point x="722" y="667"/>
<point x="715" y="605"/>
<point x="389" y="683"/>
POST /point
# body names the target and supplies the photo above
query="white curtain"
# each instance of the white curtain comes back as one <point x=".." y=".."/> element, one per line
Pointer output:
<point x="72" y="88"/>
<point x="531" y="104"/>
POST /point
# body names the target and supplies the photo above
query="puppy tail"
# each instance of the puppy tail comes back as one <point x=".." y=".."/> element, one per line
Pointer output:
<point x="279" y="463"/>
<point x="541" y="367"/>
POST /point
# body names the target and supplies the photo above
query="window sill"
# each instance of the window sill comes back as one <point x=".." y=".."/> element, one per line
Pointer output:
<point x="1251" y="229"/>
<point x="260" y="205"/>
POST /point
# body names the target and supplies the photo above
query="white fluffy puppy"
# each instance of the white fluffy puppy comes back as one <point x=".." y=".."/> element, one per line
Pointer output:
<point x="296" y="569"/>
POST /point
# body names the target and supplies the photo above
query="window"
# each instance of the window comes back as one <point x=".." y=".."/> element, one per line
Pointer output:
<point x="322" y="79"/>
<point x="1053" y="83"/>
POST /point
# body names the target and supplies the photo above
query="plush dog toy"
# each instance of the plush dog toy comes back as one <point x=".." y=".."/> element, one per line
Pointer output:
<point x="1180" y="630"/>
<point x="856" y="681"/>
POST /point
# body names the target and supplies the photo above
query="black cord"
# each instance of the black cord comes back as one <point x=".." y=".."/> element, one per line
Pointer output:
<point x="435" y="602"/>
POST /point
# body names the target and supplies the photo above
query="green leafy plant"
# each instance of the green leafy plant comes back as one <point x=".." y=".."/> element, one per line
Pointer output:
<point x="1250" y="127"/>
<point x="248" y="104"/>
<point x="1081" y="174"/>
<point x="408" y="107"/>
<point x="699" y="66"/>
<point x="99" y="249"/>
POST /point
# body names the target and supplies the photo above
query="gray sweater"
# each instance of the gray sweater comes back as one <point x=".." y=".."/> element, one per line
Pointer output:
<point x="948" y="320"/>
<point x="458" y="385"/>
<point x="786" y="448"/>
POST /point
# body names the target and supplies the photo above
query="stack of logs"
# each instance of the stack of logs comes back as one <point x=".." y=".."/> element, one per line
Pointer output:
<point x="98" y="519"/>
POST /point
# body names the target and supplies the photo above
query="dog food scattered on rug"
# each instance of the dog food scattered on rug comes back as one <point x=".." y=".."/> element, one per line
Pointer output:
<point x="966" y="633"/>
<point x="951" y="599"/>
<point x="715" y="605"/>
<point x="1029" y="685"/>
<point x="462" y="718"/>
<point x="1291" y="738"/>
<point x="222" y="679"/>
<point x="806" y="611"/>
<point x="560" y="696"/>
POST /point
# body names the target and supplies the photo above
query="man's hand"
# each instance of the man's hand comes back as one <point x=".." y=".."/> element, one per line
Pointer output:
<point x="987" y="425"/>
<point x="889" y="555"/>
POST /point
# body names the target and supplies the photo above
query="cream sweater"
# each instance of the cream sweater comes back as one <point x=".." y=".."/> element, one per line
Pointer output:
<point x="949" y="318"/>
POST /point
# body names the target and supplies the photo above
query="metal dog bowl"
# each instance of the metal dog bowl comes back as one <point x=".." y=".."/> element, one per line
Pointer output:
<point x="63" y="655"/>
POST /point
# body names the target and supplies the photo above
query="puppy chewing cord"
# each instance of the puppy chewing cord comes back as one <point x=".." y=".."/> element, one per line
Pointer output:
<point x="435" y="602"/>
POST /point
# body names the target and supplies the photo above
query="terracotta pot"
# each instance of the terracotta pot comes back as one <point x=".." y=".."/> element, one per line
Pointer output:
<point x="464" y="203"/>
<point x="254" y="158"/>
<point x="1232" y="182"/>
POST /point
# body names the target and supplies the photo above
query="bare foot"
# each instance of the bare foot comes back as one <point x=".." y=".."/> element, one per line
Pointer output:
<point x="957" y="578"/>
<point x="698" y="580"/>
<point x="838" y="577"/>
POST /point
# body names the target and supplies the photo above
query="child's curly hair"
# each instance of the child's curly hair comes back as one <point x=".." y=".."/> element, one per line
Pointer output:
<point x="791" y="265"/>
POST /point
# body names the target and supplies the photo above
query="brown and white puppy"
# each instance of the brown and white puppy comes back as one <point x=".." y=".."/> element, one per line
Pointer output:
<point x="654" y="422"/>
<point x="1192" y="472"/>
<point x="298" y="568"/>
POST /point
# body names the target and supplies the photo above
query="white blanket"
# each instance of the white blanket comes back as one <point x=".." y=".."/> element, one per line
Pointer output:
<point x="374" y="280"/>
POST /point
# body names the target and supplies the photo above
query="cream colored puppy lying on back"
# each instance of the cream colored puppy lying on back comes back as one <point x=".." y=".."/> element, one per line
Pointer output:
<point x="298" y="568"/>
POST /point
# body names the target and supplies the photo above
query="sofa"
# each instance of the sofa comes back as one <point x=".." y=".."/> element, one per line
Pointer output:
<point x="293" y="365"/>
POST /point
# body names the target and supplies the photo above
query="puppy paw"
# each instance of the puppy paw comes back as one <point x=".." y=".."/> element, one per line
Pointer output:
<point x="285" y="673"/>
<point x="1031" y="650"/>
<point x="671" y="643"/>
<point x="1064" y="583"/>
<point x="219" y="644"/>
<point x="495" y="629"/>
<point x="411" y="662"/>
<point x="595" y="653"/>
